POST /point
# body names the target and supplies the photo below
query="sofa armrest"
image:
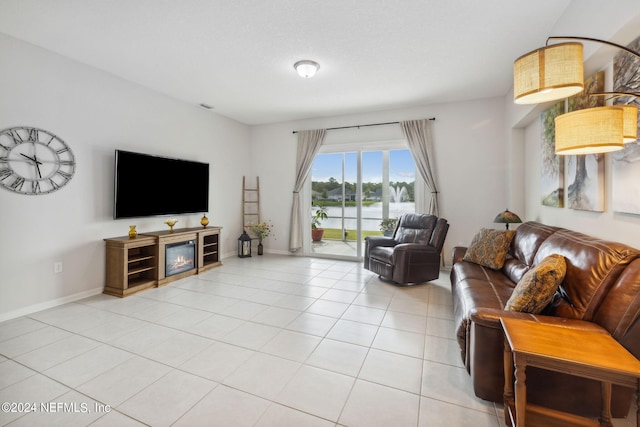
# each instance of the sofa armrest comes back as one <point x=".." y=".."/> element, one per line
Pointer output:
<point x="413" y="247"/>
<point x="457" y="253"/>
<point x="375" y="241"/>
<point x="371" y="242"/>
<point x="490" y="317"/>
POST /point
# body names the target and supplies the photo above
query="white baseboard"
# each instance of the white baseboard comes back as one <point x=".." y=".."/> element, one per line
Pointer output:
<point x="49" y="304"/>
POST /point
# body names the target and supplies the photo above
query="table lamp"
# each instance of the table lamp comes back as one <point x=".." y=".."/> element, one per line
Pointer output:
<point x="507" y="217"/>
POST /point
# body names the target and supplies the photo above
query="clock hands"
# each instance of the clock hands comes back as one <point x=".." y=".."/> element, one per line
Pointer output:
<point x="36" y="163"/>
<point x="33" y="159"/>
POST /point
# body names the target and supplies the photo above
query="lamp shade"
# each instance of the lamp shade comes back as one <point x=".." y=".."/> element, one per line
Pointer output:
<point x="507" y="217"/>
<point x="549" y="73"/>
<point x="630" y="122"/>
<point x="588" y="131"/>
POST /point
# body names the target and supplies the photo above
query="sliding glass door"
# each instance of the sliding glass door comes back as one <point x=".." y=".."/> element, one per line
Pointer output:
<point x="360" y="191"/>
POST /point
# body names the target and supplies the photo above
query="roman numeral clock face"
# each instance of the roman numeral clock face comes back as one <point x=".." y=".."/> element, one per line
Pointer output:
<point x="34" y="161"/>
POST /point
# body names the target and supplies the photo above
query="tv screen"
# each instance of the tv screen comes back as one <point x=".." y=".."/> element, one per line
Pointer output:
<point x="147" y="185"/>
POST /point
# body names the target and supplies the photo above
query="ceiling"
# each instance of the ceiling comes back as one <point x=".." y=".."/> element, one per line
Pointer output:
<point x="238" y="55"/>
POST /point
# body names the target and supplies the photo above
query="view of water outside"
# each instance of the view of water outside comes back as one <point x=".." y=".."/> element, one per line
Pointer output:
<point x="330" y="170"/>
<point x="371" y="215"/>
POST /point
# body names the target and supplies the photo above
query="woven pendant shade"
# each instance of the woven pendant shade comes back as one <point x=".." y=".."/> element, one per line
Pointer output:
<point x="630" y="126"/>
<point x="588" y="131"/>
<point x="549" y="73"/>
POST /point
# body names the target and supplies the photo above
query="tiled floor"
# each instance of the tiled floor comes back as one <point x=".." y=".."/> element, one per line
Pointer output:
<point x="264" y="341"/>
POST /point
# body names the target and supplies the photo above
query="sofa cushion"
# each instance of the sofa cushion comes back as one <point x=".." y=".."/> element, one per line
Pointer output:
<point x="524" y="246"/>
<point x="489" y="248"/>
<point x="593" y="266"/>
<point x="536" y="288"/>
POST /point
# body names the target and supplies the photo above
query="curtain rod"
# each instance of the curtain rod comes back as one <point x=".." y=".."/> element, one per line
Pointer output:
<point x="364" y="126"/>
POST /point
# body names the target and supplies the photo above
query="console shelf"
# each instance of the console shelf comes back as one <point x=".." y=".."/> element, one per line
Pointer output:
<point x="132" y="265"/>
<point x="136" y="264"/>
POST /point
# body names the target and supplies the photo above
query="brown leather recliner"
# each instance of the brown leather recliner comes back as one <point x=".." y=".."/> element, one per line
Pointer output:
<point x="412" y="255"/>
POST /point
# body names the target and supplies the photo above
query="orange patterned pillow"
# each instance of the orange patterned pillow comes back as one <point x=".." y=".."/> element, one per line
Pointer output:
<point x="489" y="248"/>
<point x="536" y="288"/>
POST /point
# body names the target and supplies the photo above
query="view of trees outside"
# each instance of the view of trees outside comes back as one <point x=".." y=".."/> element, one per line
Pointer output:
<point x="371" y="191"/>
<point x="388" y="190"/>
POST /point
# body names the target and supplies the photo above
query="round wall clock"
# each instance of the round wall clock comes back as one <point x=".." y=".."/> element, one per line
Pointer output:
<point x="34" y="161"/>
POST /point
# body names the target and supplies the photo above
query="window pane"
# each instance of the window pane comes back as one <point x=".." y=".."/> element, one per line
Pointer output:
<point x="387" y="184"/>
<point x="372" y="192"/>
<point x="402" y="179"/>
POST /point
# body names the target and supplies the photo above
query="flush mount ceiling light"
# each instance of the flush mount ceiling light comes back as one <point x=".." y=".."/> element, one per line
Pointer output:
<point x="557" y="71"/>
<point x="306" y="68"/>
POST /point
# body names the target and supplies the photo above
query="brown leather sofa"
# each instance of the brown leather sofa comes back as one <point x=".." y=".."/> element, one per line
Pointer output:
<point x="412" y="255"/>
<point x="601" y="288"/>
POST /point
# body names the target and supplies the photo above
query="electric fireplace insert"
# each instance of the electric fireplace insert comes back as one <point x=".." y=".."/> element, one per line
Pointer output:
<point x="180" y="257"/>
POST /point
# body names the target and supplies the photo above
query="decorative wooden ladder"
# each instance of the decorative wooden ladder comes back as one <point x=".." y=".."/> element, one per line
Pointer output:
<point x="250" y="205"/>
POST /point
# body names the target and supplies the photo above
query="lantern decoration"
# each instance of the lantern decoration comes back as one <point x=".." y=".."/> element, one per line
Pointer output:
<point x="244" y="245"/>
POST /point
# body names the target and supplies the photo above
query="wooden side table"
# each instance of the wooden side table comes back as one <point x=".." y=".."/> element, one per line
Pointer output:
<point x="590" y="353"/>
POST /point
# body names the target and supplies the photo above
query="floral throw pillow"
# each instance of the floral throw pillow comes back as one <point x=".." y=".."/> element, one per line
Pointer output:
<point x="489" y="248"/>
<point x="536" y="288"/>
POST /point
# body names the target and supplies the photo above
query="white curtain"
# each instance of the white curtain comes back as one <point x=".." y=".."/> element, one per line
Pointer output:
<point x="309" y="142"/>
<point x="418" y="135"/>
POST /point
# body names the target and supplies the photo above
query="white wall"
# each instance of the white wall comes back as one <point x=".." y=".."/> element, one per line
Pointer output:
<point x="470" y="156"/>
<point x="618" y="22"/>
<point x="95" y="113"/>
<point x="608" y="225"/>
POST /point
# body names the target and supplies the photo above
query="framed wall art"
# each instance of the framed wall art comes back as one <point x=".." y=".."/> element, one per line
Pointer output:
<point x="625" y="164"/>
<point x="552" y="165"/>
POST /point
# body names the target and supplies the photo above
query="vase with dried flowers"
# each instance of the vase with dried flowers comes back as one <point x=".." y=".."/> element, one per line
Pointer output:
<point x="262" y="230"/>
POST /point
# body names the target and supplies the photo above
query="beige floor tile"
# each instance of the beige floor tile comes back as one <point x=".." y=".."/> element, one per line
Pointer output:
<point x="337" y="356"/>
<point x="358" y="313"/>
<point x="216" y="326"/>
<point x="263" y="375"/>
<point x="313" y="324"/>
<point x="328" y="308"/>
<point x="405" y="321"/>
<point x="225" y="406"/>
<point x="34" y="388"/>
<point x="434" y="413"/>
<point x="166" y="400"/>
<point x="451" y="384"/>
<point x="70" y="409"/>
<point x="120" y="383"/>
<point x="281" y="416"/>
<point x="397" y="341"/>
<point x="251" y="335"/>
<point x="317" y="391"/>
<point x="19" y="326"/>
<point x="57" y="352"/>
<point x="32" y="340"/>
<point x="12" y="372"/>
<point x="353" y="332"/>
<point x="443" y="350"/>
<point x="374" y="405"/>
<point x="276" y="316"/>
<point x="217" y="361"/>
<point x="88" y="365"/>
<point x="393" y="370"/>
<point x="292" y="345"/>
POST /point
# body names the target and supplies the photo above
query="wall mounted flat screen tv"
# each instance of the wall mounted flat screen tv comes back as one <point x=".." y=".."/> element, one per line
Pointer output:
<point x="147" y="185"/>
